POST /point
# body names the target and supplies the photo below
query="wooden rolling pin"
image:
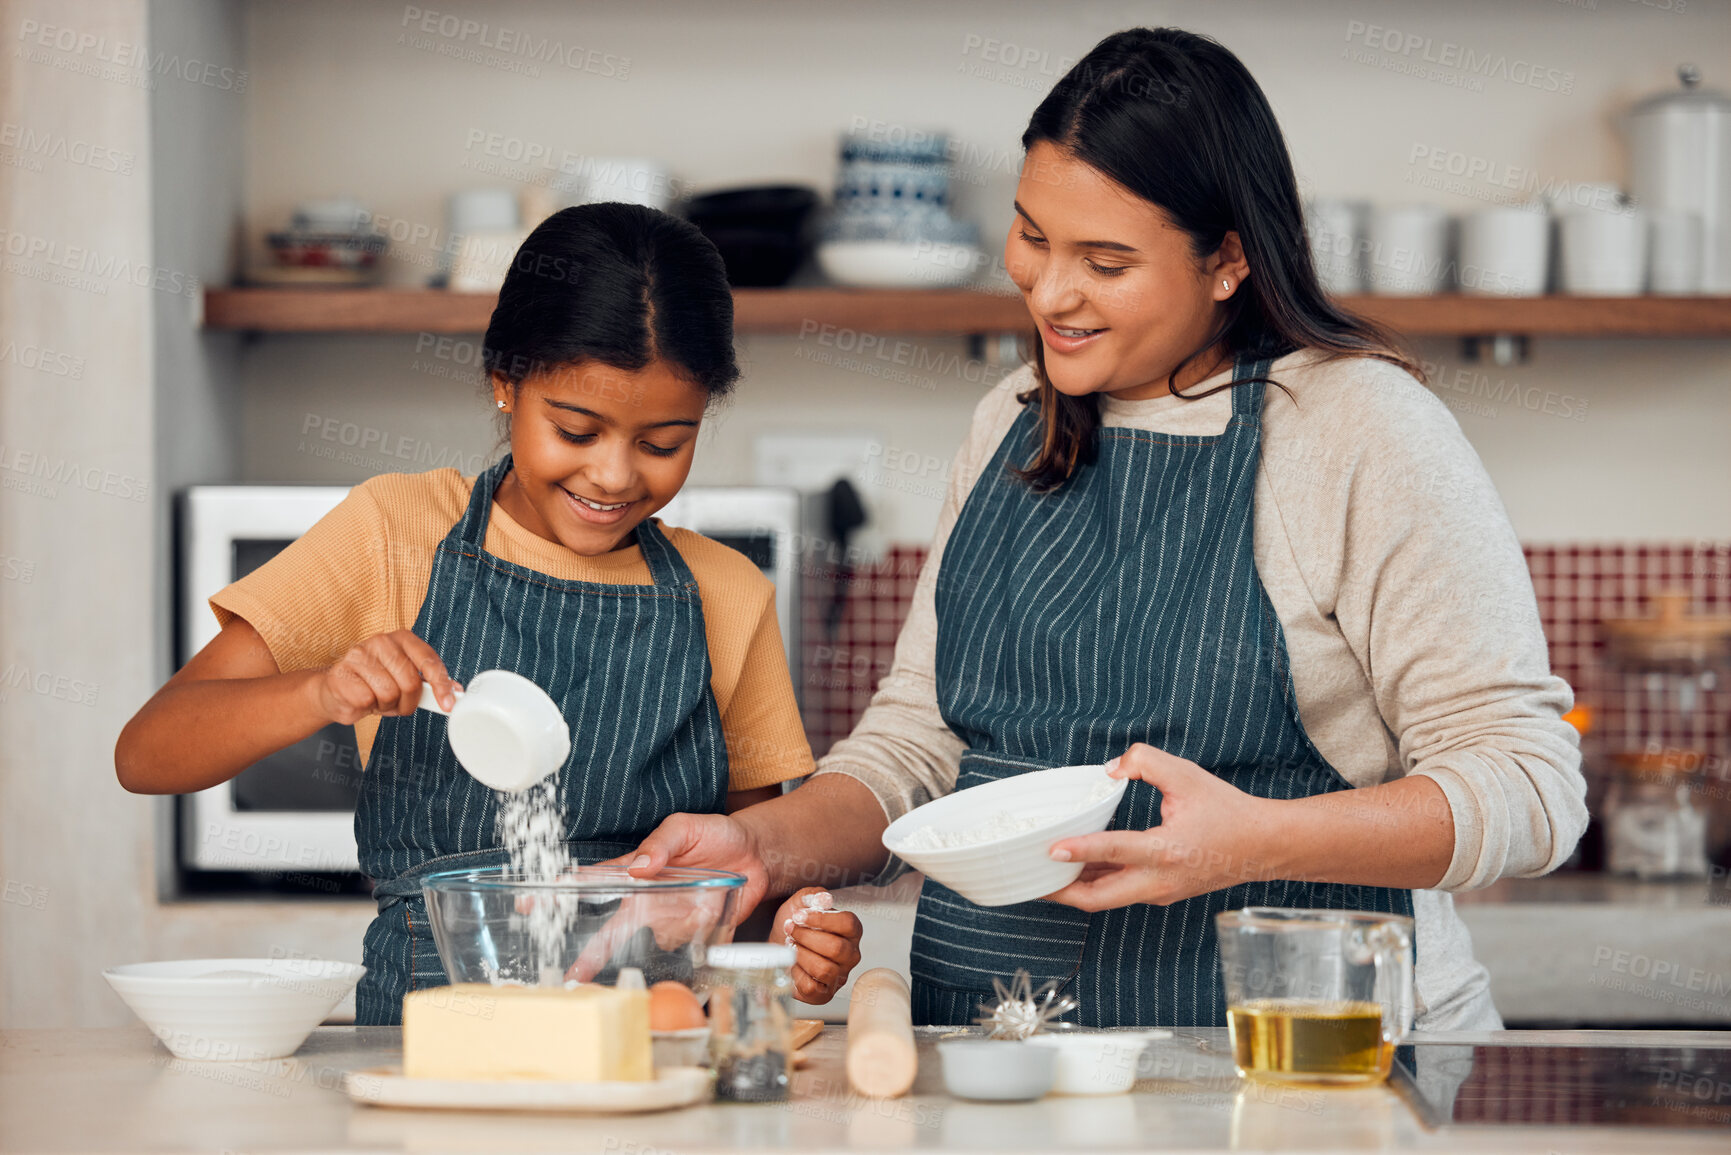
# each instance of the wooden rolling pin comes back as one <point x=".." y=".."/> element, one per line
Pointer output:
<point x="881" y="1062"/>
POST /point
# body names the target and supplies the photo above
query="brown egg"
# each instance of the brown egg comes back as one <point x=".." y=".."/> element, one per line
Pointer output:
<point x="672" y="1007"/>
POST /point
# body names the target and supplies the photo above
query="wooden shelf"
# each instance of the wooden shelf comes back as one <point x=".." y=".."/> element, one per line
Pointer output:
<point x="273" y="310"/>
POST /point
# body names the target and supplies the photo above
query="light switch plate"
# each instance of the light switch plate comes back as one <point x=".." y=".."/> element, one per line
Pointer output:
<point x="811" y="462"/>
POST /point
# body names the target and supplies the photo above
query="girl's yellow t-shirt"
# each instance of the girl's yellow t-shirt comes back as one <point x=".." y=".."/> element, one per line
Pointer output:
<point x="363" y="570"/>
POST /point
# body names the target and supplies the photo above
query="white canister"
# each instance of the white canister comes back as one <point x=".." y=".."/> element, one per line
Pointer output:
<point x="1604" y="250"/>
<point x="1680" y="159"/>
<point x="631" y="180"/>
<point x="1505" y="251"/>
<point x="1336" y="229"/>
<point x="1674" y="252"/>
<point x="1407" y="254"/>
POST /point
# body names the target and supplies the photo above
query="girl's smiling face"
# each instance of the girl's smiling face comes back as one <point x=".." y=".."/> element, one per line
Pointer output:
<point x="1118" y="294"/>
<point x="596" y="449"/>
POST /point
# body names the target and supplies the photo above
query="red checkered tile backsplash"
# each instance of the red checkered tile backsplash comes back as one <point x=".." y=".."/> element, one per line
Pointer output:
<point x="1576" y="586"/>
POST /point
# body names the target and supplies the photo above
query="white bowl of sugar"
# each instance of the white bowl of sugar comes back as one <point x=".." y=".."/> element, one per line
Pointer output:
<point x="991" y="843"/>
<point x="234" y="1009"/>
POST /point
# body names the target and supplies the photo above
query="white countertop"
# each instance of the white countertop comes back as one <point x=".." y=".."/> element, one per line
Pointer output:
<point x="117" y="1090"/>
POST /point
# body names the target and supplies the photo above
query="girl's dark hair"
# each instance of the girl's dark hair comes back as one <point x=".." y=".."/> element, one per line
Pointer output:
<point x="619" y="284"/>
<point x="1178" y="120"/>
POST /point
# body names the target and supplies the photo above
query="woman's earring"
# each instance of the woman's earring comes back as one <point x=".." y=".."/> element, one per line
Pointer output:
<point x="501" y="405"/>
<point x="1227" y="285"/>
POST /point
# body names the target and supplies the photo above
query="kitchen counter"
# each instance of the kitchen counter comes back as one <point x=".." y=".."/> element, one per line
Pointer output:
<point x="1594" y="948"/>
<point x="117" y="1090"/>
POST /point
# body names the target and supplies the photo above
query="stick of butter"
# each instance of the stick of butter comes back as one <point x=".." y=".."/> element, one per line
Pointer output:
<point x="471" y="1031"/>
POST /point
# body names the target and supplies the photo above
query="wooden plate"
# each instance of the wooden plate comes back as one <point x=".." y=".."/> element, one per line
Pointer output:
<point x="672" y="1087"/>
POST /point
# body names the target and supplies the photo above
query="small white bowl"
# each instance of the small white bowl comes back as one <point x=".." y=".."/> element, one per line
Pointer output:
<point x="1017" y="868"/>
<point x="997" y="1070"/>
<point x="900" y="264"/>
<point x="687" y="1048"/>
<point x="1096" y="1062"/>
<point x="233" y="1009"/>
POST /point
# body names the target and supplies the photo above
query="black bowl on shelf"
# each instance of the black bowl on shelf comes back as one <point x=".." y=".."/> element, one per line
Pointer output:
<point x="760" y="230"/>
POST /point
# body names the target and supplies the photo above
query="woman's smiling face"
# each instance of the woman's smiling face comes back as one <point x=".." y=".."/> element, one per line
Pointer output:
<point x="595" y="449"/>
<point x="1119" y="297"/>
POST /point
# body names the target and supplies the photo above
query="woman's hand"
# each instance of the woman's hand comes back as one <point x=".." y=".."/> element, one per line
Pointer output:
<point x="1211" y="835"/>
<point x="825" y="941"/>
<point x="382" y="675"/>
<point x="711" y="841"/>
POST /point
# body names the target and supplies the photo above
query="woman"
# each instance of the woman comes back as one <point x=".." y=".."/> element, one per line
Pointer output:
<point x="1219" y="533"/>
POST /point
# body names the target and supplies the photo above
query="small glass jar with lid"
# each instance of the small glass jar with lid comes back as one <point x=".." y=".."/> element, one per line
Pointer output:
<point x="1652" y="827"/>
<point x="751" y="1019"/>
<point x="1665" y="694"/>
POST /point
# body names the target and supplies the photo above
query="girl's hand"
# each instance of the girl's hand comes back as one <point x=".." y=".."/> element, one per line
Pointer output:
<point x="382" y="675"/>
<point x="1211" y="835"/>
<point x="826" y="943"/>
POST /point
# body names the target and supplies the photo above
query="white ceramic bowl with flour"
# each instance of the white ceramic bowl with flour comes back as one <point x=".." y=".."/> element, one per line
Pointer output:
<point x="991" y="843"/>
<point x="233" y="1009"/>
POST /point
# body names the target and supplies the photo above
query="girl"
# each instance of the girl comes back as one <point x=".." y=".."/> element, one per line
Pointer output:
<point x="1219" y="533"/>
<point x="612" y="336"/>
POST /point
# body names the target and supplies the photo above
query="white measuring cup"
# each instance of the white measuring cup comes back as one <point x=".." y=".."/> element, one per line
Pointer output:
<point x="504" y="730"/>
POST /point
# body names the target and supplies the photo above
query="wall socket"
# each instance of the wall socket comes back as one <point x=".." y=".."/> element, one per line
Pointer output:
<point x="812" y="462"/>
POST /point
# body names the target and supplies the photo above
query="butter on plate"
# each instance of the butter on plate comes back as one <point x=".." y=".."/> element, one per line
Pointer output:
<point x="472" y="1031"/>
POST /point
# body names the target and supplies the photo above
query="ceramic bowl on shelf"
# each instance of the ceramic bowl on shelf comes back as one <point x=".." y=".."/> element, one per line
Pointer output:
<point x="233" y="1009"/>
<point x="900" y="264"/>
<point x="487" y="922"/>
<point x="1038" y="809"/>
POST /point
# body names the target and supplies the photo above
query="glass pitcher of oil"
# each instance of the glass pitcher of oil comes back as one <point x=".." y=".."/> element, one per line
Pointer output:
<point x="1315" y="996"/>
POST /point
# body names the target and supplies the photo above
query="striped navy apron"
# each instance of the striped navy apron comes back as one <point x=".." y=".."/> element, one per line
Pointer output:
<point x="1124" y="607"/>
<point x="628" y="666"/>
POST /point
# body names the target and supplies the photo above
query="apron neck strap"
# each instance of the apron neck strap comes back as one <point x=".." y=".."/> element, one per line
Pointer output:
<point x="472" y="529"/>
<point x="666" y="567"/>
<point x="1248" y="387"/>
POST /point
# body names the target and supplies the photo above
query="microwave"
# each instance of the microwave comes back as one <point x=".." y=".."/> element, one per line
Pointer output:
<point x="287" y="821"/>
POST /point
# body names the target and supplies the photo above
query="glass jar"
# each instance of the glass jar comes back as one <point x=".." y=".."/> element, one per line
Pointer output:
<point x="1652" y="826"/>
<point x="1665" y="719"/>
<point x="751" y="1020"/>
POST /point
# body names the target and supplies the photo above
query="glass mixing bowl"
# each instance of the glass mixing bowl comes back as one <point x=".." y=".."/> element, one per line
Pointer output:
<point x="492" y="926"/>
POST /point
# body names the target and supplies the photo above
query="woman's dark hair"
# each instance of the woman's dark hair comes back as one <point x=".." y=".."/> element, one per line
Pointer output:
<point x="619" y="284"/>
<point x="1179" y="121"/>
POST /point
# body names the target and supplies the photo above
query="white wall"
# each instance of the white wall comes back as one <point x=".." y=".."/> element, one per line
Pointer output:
<point x="76" y="516"/>
<point x="343" y="100"/>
